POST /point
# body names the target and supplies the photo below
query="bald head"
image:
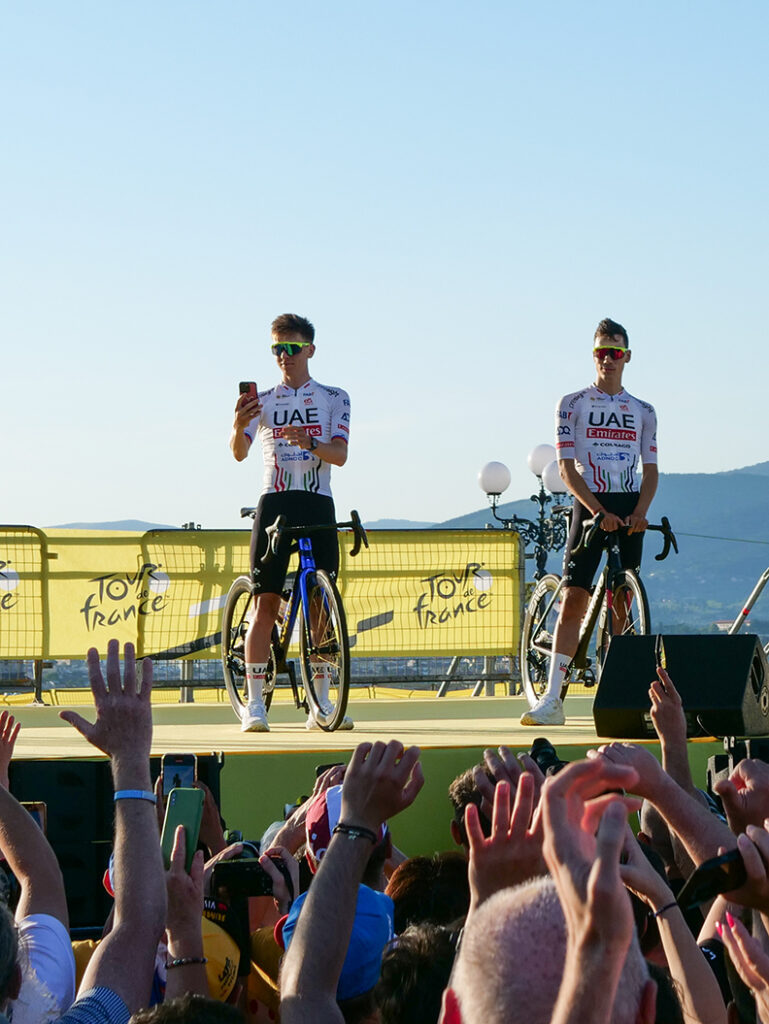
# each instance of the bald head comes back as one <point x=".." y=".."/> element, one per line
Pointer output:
<point x="511" y="961"/>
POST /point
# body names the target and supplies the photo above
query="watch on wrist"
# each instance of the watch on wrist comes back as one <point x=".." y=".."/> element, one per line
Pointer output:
<point x="313" y="444"/>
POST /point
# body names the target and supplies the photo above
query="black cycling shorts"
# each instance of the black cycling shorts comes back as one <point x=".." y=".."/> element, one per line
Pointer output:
<point x="580" y="571"/>
<point x="300" y="509"/>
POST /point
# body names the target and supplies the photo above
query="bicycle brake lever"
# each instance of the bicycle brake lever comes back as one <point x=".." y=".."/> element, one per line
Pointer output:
<point x="359" y="534"/>
<point x="273" y="539"/>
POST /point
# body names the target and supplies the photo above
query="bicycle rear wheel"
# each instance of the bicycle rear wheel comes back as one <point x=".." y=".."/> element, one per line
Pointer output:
<point x="539" y="624"/>
<point x="325" y="652"/>
<point x="631" y="614"/>
<point x="238" y="609"/>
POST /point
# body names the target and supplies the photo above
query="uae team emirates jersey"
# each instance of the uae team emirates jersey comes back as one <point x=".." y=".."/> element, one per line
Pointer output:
<point x="323" y="412"/>
<point x="606" y="435"/>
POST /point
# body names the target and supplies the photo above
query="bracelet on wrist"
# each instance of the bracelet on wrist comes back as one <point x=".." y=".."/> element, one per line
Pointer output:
<point x="356" y="832"/>
<point x="186" y="961"/>
<point x="668" y="906"/>
<point x="135" y="794"/>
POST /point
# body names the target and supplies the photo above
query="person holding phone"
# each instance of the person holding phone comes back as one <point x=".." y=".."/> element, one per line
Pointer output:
<point x="602" y="433"/>
<point x="303" y="428"/>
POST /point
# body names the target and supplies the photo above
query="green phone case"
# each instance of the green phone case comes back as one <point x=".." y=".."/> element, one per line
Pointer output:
<point x="184" y="807"/>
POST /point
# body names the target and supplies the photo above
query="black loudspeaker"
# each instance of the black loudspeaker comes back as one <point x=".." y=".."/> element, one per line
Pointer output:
<point x="723" y="681"/>
<point x="80" y="811"/>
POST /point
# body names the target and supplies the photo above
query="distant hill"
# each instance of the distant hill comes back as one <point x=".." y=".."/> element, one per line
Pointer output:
<point x="397" y="524"/>
<point x="133" y="525"/>
<point x="722" y="524"/>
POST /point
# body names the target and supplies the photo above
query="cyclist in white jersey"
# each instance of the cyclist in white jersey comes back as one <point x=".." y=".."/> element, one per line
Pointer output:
<point x="602" y="433"/>
<point x="303" y="427"/>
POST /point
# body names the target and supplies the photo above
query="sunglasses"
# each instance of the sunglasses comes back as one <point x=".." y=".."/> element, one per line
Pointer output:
<point x="615" y="353"/>
<point x="289" y="348"/>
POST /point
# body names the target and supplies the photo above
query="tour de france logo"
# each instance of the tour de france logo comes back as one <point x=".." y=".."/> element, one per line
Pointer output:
<point x="118" y="597"/>
<point x="449" y="597"/>
<point x="9" y="584"/>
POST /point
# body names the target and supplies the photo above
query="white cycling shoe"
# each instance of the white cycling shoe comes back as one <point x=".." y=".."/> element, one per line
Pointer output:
<point x="547" y="711"/>
<point x="328" y="709"/>
<point x="254" y="717"/>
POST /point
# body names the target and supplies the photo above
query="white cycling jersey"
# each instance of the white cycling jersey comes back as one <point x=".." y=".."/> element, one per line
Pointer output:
<point x="323" y="412"/>
<point x="606" y="435"/>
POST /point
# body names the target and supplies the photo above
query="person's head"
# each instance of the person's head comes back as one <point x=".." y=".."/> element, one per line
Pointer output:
<point x="611" y="353"/>
<point x="190" y="1009"/>
<point x="511" y="962"/>
<point x="10" y="972"/>
<point x="463" y="791"/>
<point x="415" y="971"/>
<point x="293" y="345"/>
<point x="429" y="889"/>
<point x="323" y="813"/>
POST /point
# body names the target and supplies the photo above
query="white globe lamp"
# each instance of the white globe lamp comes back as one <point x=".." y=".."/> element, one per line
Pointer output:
<point x="551" y="478"/>
<point x="539" y="457"/>
<point x="494" y="478"/>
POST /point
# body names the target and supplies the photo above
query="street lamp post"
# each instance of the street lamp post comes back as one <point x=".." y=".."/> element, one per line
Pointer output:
<point x="546" y="533"/>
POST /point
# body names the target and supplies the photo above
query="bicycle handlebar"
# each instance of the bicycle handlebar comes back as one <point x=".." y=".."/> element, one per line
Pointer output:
<point x="279" y="529"/>
<point x="591" y="527"/>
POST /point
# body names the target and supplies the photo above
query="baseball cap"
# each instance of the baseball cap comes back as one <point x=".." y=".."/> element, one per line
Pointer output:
<point x="322" y="818"/>
<point x="371" y="932"/>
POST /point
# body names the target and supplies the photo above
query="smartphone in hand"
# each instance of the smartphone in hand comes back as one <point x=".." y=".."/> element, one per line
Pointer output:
<point x="179" y="771"/>
<point x="248" y="387"/>
<point x="184" y="807"/>
<point x="711" y="878"/>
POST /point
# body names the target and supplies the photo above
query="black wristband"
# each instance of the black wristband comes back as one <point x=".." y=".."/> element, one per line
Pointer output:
<point x="356" y="832"/>
<point x="668" y="906"/>
<point x="186" y="961"/>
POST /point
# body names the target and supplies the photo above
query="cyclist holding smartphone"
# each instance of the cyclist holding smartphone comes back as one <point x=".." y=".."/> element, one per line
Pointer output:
<point x="601" y="434"/>
<point x="303" y="428"/>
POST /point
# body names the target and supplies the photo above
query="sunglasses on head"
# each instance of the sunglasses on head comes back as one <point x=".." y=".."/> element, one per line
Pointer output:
<point x="292" y="348"/>
<point x="614" y="353"/>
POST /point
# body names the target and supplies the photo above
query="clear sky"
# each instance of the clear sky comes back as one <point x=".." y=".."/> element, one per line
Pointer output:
<point x="454" y="193"/>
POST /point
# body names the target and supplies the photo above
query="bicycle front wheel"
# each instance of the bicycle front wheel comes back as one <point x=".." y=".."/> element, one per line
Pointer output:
<point x="325" y="652"/>
<point x="539" y="624"/>
<point x="236" y="617"/>
<point x="629" y="616"/>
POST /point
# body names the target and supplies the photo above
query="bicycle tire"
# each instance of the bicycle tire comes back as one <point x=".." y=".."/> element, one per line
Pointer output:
<point x="536" y="636"/>
<point x="631" y="590"/>
<point x="234" y="627"/>
<point x="331" y="648"/>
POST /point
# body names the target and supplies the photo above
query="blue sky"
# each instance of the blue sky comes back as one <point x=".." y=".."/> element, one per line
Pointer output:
<point x="454" y="194"/>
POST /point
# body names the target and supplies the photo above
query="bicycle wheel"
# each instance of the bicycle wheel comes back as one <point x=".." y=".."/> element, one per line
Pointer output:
<point x="539" y="624"/>
<point x="631" y="614"/>
<point x="238" y="609"/>
<point x="323" y="645"/>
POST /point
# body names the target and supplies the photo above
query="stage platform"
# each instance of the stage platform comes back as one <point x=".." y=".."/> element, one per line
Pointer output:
<point x="263" y="771"/>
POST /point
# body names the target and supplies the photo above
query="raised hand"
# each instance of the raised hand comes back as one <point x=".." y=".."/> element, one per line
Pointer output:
<point x="647" y="767"/>
<point x="9" y="730"/>
<point x="381" y="780"/>
<point x="745" y="794"/>
<point x="751" y="961"/>
<point x="123" y="726"/>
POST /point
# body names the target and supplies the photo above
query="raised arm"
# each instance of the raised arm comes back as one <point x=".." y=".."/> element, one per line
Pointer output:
<point x="124" y="961"/>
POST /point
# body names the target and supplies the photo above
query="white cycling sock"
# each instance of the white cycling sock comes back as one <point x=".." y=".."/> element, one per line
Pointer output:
<point x="321" y="677"/>
<point x="558" y="665"/>
<point x="255" y="673"/>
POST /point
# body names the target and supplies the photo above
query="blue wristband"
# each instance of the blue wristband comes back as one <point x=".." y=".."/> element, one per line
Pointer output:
<point x="135" y="794"/>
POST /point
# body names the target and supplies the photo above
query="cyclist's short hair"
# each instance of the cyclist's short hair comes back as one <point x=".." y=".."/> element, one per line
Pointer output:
<point x="608" y="328"/>
<point x="292" y="323"/>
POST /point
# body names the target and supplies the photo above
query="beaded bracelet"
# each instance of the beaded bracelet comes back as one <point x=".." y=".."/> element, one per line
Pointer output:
<point x="135" y="794"/>
<point x="668" y="906"/>
<point x="185" y="961"/>
<point x="356" y="832"/>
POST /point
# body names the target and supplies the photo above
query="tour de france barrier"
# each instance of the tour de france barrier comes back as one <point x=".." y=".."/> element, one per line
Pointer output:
<point x="413" y="593"/>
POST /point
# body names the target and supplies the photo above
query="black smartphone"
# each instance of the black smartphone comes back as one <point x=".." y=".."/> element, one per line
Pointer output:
<point x="247" y="877"/>
<point x="248" y="387"/>
<point x="38" y="811"/>
<point x="320" y="768"/>
<point x="659" y="653"/>
<point x="711" y="878"/>
<point x="180" y="771"/>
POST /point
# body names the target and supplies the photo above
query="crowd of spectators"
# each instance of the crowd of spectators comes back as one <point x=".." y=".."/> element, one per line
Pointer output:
<point x="550" y="909"/>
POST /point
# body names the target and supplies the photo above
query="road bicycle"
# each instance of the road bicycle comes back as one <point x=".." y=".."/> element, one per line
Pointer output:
<point x="618" y="605"/>
<point x="311" y="600"/>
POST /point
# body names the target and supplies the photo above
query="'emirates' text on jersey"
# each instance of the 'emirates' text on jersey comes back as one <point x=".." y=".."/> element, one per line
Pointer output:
<point x="606" y="435"/>
<point x="323" y="412"/>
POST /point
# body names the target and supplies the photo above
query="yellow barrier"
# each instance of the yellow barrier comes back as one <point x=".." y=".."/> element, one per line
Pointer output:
<point x="413" y="593"/>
